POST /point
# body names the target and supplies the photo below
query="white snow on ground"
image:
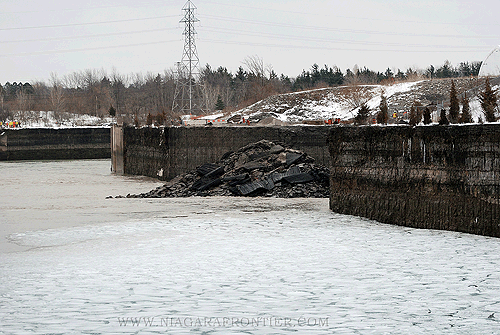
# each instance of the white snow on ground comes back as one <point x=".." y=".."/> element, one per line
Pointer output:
<point x="50" y="119"/>
<point x="343" y="102"/>
<point x="475" y="107"/>
<point x="211" y="117"/>
<point x="338" y="103"/>
<point x="476" y="110"/>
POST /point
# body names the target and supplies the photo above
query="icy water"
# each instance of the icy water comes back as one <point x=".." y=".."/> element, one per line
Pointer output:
<point x="73" y="262"/>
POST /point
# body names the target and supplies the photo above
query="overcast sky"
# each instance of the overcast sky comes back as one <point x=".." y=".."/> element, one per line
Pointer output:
<point x="40" y="37"/>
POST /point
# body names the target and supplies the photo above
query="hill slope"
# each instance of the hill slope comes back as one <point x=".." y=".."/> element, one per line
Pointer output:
<point x="342" y="102"/>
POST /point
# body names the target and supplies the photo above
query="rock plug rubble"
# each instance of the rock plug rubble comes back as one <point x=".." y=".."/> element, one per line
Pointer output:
<point x="258" y="169"/>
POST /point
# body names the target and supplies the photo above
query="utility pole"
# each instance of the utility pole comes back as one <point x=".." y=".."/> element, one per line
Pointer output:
<point x="186" y="96"/>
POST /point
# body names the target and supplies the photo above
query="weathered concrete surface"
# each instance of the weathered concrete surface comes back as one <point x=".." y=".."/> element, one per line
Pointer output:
<point x="50" y="144"/>
<point x="117" y="149"/>
<point x="167" y="152"/>
<point x="424" y="177"/>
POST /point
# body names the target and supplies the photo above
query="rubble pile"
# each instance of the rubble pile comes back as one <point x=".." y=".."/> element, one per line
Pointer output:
<point x="258" y="169"/>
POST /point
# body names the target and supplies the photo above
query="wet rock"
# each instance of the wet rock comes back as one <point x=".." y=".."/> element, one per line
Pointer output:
<point x="262" y="168"/>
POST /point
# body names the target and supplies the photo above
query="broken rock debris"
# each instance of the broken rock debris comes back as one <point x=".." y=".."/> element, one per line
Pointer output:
<point x="258" y="169"/>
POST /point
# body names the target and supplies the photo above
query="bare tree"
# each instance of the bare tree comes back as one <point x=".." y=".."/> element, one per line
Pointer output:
<point x="22" y="100"/>
<point x="210" y="94"/>
<point x="255" y="66"/>
<point x="56" y="95"/>
<point x="352" y="77"/>
<point x="118" y="89"/>
<point x="1" y="97"/>
<point x="357" y="96"/>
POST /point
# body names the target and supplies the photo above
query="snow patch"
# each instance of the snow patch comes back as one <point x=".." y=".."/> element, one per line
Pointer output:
<point x="321" y="104"/>
<point x="51" y="119"/>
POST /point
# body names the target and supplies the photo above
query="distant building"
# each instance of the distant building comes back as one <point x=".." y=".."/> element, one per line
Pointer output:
<point x="491" y="65"/>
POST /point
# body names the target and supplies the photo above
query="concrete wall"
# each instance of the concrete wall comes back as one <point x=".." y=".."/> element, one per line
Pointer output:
<point x="437" y="177"/>
<point x="49" y="144"/>
<point x="117" y="149"/>
<point x="166" y="152"/>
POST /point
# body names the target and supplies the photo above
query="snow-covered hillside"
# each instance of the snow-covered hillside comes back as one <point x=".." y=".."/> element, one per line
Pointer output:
<point x="343" y="102"/>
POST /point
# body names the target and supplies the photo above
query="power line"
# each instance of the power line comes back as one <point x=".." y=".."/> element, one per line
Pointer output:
<point x="142" y="5"/>
<point x="328" y="40"/>
<point x="271" y="45"/>
<point x="332" y="17"/>
<point x="341" y="30"/>
<point x="291" y="46"/>
<point x="88" y="23"/>
<point x="85" y="49"/>
<point x="88" y="36"/>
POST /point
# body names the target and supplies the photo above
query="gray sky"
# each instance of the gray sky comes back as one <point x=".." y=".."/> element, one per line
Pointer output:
<point x="41" y="37"/>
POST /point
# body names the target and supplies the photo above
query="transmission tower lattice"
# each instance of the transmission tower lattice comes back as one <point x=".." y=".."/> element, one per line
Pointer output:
<point x="187" y="90"/>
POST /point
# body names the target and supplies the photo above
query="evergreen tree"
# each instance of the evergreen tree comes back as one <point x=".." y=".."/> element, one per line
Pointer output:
<point x="427" y="116"/>
<point x="400" y="75"/>
<point x="27" y="88"/>
<point x="488" y="99"/>
<point x="149" y="120"/>
<point x="445" y="71"/>
<point x="382" y="115"/>
<point x="219" y="105"/>
<point x="388" y="74"/>
<point x="241" y="75"/>
<point x="431" y="72"/>
<point x="466" y="116"/>
<point x="454" y="104"/>
<point x="413" y="116"/>
<point x="112" y="111"/>
<point x="160" y="119"/>
<point x="475" y="67"/>
<point x="363" y="115"/>
<point x="443" y="120"/>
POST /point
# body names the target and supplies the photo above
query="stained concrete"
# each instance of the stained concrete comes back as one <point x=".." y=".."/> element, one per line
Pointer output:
<point x="51" y="144"/>
<point x="436" y="177"/>
<point x="167" y="152"/>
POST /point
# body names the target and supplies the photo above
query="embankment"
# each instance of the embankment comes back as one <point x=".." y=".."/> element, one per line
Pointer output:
<point x="167" y="152"/>
<point x="432" y="177"/>
<point x="51" y="144"/>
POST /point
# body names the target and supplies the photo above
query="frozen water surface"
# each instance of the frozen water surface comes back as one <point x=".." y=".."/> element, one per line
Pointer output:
<point x="73" y="262"/>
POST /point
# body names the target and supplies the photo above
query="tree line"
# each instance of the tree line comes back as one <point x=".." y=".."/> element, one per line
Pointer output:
<point x="333" y="76"/>
<point x="135" y="96"/>
<point x="455" y="114"/>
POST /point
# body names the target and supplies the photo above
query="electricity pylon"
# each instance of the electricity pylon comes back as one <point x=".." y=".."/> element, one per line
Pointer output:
<point x="187" y="91"/>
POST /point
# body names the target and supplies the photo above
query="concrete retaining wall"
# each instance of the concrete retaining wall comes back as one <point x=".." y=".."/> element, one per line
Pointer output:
<point x="166" y="152"/>
<point x="49" y="144"/>
<point x="425" y="177"/>
<point x="117" y="149"/>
